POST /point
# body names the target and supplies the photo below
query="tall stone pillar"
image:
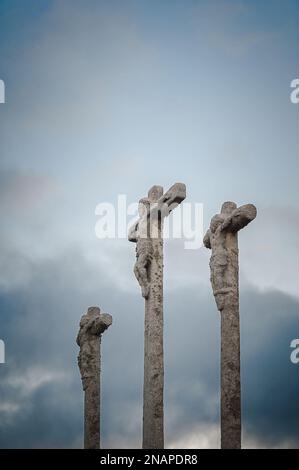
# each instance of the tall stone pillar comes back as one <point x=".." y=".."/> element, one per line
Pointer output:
<point x="153" y="388"/>
<point x="147" y="233"/>
<point x="222" y="239"/>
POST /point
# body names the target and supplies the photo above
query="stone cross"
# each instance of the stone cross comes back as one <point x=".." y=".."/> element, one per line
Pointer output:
<point x="92" y="326"/>
<point x="222" y="239"/>
<point x="147" y="233"/>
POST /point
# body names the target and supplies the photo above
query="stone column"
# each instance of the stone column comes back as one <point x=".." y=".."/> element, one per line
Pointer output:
<point x="153" y="388"/>
<point x="147" y="233"/>
<point x="222" y="239"/>
<point x="92" y="326"/>
<point x="230" y="354"/>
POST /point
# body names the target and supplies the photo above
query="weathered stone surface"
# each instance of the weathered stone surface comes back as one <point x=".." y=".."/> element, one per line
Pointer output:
<point x="140" y="234"/>
<point x="92" y="326"/>
<point x="148" y="235"/>
<point x="222" y="239"/>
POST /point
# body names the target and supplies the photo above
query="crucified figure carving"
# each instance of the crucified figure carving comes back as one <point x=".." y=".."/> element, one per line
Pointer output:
<point x="144" y="247"/>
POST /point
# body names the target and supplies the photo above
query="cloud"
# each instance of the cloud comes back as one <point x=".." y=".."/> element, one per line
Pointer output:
<point x="22" y="192"/>
<point x="203" y="436"/>
<point x="269" y="249"/>
<point x="40" y="384"/>
<point x="228" y="27"/>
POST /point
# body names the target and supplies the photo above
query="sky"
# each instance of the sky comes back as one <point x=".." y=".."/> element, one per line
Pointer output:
<point x="111" y="97"/>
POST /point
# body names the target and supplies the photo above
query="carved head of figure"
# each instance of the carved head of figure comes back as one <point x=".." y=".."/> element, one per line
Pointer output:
<point x="228" y="207"/>
<point x="93" y="311"/>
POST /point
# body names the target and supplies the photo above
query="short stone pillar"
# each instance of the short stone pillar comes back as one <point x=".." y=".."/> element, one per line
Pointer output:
<point x="92" y="326"/>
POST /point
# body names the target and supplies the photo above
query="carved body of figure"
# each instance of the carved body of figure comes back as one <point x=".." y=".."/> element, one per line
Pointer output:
<point x="144" y="247"/>
<point x="215" y="239"/>
<point x="91" y="327"/>
<point x="221" y="238"/>
<point x="144" y="256"/>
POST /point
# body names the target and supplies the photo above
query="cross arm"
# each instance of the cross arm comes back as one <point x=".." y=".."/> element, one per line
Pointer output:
<point x="168" y="201"/>
<point x="239" y="218"/>
<point x="101" y="323"/>
<point x="173" y="197"/>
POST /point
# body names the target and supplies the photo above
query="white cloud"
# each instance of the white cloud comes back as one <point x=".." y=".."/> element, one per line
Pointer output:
<point x="203" y="436"/>
<point x="34" y="378"/>
<point x="254" y="442"/>
<point x="21" y="387"/>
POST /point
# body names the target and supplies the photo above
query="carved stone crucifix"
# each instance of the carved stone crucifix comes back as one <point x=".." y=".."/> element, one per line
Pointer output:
<point x="147" y="233"/>
<point x="222" y="239"/>
<point x="92" y="326"/>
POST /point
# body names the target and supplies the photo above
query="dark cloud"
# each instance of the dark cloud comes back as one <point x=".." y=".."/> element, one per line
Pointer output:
<point x="41" y="396"/>
<point x="39" y="323"/>
<point x="270" y="321"/>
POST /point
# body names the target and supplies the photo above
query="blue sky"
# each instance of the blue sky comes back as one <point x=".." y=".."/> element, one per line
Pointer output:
<point x="106" y="98"/>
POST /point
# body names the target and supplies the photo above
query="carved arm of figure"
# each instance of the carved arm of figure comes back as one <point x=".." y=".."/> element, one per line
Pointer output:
<point x="133" y="233"/>
<point x="100" y="324"/>
<point x="207" y="239"/>
<point x="82" y="330"/>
